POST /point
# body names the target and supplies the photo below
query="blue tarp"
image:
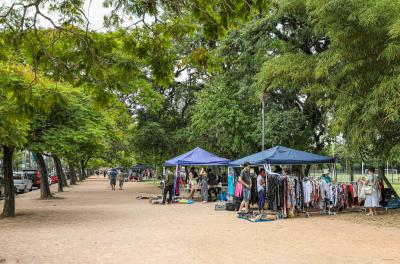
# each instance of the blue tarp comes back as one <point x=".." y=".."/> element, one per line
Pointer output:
<point x="197" y="157"/>
<point x="283" y="155"/>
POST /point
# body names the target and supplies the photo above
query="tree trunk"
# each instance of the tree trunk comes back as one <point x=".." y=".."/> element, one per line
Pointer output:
<point x="62" y="175"/>
<point x="72" y="174"/>
<point x="44" y="182"/>
<point x="83" y="169"/>
<point x="307" y="171"/>
<point x="58" y="172"/>
<point x="351" y="173"/>
<point x="9" y="203"/>
<point x="80" y="176"/>
<point x="381" y="174"/>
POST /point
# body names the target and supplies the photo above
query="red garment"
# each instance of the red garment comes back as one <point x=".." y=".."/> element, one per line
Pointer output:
<point x="351" y="193"/>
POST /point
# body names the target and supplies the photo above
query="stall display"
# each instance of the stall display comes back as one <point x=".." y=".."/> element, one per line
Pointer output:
<point x="289" y="193"/>
<point x="194" y="157"/>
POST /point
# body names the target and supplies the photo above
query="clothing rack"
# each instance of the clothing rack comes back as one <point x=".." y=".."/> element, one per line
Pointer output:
<point x="325" y="204"/>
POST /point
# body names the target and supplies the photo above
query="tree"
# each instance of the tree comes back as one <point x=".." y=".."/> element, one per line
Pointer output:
<point x="361" y="67"/>
<point x="228" y="111"/>
<point x="14" y="124"/>
<point x="43" y="119"/>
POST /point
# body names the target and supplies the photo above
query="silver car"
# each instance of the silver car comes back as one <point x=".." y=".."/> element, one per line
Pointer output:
<point x="22" y="182"/>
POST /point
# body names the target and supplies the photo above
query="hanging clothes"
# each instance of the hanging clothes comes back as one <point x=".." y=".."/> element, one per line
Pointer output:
<point x="238" y="189"/>
<point x="231" y="186"/>
<point x="254" y="193"/>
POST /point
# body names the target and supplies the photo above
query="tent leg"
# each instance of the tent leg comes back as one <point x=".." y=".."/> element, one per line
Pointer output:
<point x="334" y="171"/>
<point x="390" y="186"/>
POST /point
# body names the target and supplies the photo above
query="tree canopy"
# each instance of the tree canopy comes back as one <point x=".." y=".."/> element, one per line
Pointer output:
<point x="162" y="77"/>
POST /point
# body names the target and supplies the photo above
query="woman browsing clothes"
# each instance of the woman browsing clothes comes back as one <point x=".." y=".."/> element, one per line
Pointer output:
<point x="371" y="192"/>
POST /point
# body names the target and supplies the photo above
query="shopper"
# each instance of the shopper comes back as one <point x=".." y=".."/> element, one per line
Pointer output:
<point x="168" y="187"/>
<point x="245" y="179"/>
<point x="204" y="185"/>
<point x="193" y="170"/>
<point x="371" y="192"/>
<point x="212" y="184"/>
<point x="113" y="178"/>
<point x="121" y="179"/>
<point x="192" y="185"/>
<point x="261" y="189"/>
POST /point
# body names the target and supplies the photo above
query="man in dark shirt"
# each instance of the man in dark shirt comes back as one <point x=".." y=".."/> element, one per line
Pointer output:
<point x="212" y="184"/>
<point x="245" y="179"/>
<point x="169" y="187"/>
<point x="113" y="178"/>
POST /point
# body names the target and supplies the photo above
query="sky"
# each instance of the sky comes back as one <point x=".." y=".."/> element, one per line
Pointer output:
<point x="93" y="9"/>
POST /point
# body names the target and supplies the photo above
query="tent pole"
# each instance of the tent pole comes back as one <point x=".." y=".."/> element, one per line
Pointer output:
<point x="263" y="125"/>
<point x="362" y="169"/>
<point x="334" y="171"/>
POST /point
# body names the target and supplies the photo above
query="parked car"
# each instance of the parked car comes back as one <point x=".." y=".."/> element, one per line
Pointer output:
<point x="22" y="182"/>
<point x="34" y="175"/>
<point x="53" y="177"/>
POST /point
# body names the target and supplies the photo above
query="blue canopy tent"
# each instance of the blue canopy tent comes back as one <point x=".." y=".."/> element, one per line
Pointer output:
<point x="197" y="157"/>
<point x="282" y="155"/>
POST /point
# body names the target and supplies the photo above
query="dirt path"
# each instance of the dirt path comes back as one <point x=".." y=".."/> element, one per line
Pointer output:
<point x="92" y="224"/>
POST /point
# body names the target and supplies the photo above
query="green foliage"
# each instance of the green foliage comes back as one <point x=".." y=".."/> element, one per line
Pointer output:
<point x="361" y="67"/>
<point x="194" y="75"/>
<point x="16" y="105"/>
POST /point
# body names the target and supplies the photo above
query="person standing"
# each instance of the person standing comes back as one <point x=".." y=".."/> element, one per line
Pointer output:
<point x="121" y="179"/>
<point x="245" y="179"/>
<point x="371" y="192"/>
<point x="168" y="187"/>
<point x="113" y="178"/>
<point x="204" y="185"/>
<point x="212" y="183"/>
<point x="261" y="189"/>
<point x="192" y="185"/>
<point x="104" y="173"/>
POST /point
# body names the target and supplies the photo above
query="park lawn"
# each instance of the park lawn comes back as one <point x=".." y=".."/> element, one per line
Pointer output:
<point x="155" y="182"/>
<point x="393" y="178"/>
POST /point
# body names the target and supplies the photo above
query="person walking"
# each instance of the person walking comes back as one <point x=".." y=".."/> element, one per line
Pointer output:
<point x="121" y="179"/>
<point x="261" y="189"/>
<point x="371" y="192"/>
<point x="168" y="187"/>
<point x="245" y="179"/>
<point x="104" y="173"/>
<point x="112" y="174"/>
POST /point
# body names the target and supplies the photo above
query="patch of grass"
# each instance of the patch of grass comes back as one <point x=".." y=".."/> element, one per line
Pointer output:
<point x="396" y="186"/>
<point x="153" y="182"/>
<point x="394" y="179"/>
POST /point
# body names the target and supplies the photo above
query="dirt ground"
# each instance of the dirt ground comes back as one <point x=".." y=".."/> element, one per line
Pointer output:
<point x="93" y="224"/>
